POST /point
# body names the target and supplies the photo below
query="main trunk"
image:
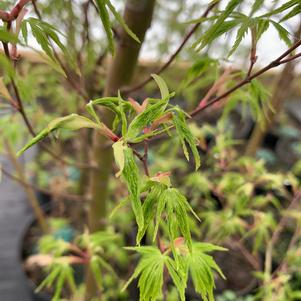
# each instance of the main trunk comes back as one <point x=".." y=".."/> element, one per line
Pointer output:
<point x="138" y="15"/>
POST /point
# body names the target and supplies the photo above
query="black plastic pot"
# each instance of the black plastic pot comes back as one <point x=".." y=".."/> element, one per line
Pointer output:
<point x="31" y="220"/>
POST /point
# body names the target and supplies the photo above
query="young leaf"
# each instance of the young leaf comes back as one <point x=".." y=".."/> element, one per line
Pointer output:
<point x="201" y="266"/>
<point x="283" y="33"/>
<point x="162" y="86"/>
<point x="24" y="31"/>
<point x="178" y="276"/>
<point x="186" y="136"/>
<point x="145" y="119"/>
<point x="118" y="149"/>
<point x="60" y="274"/>
<point x="130" y="174"/>
<point x="91" y="111"/>
<point x="256" y="6"/>
<point x="295" y="11"/>
<point x="211" y="33"/>
<point x="71" y="122"/>
<point x="149" y="206"/>
<point x="262" y="27"/>
<point x="176" y="207"/>
<point x="121" y="21"/>
<point x="105" y="19"/>
<point x="150" y="272"/>
<point x="241" y="32"/>
<point x="282" y="8"/>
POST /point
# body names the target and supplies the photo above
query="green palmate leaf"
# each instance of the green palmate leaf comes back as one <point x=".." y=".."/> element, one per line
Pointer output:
<point x="145" y="118"/>
<point x="186" y="136"/>
<point x="201" y="266"/>
<point x="71" y="122"/>
<point x="176" y="209"/>
<point x="130" y="174"/>
<point x="212" y="33"/>
<point x="262" y="27"/>
<point x="42" y="40"/>
<point x="177" y="275"/>
<point x="105" y="19"/>
<point x="58" y="276"/>
<point x="226" y="27"/>
<point x="282" y="33"/>
<point x="162" y="86"/>
<point x="8" y="37"/>
<point x="45" y="33"/>
<point x="241" y="32"/>
<point x="150" y="272"/>
<point x="24" y="31"/>
<point x="149" y="206"/>
<point x="121" y="21"/>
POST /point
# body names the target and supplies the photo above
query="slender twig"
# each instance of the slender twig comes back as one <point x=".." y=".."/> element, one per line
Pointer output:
<point x="291" y="58"/>
<point x="253" y="56"/>
<point x="174" y="55"/>
<point x="32" y="198"/>
<point x="276" y="235"/>
<point x="275" y="63"/>
<point x="69" y="78"/>
<point x="66" y="196"/>
<point x="21" y="110"/>
<point x="282" y="267"/>
<point x="36" y="10"/>
<point x="248" y="255"/>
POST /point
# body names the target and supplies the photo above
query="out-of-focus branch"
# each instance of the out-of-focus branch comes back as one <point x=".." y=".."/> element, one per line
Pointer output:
<point x="21" y="110"/>
<point x="33" y="201"/>
<point x="174" y="55"/>
<point x="66" y="196"/>
<point x="275" y="63"/>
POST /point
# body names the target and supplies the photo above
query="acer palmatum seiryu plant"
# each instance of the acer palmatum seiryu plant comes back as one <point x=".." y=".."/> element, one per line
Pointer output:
<point x="117" y="128"/>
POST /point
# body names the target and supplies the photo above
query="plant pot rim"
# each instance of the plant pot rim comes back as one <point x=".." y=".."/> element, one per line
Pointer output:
<point x="40" y="296"/>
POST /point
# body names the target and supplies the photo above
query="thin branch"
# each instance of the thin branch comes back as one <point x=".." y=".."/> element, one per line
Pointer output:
<point x="291" y="58"/>
<point x="253" y="56"/>
<point x="277" y="62"/>
<point x="66" y="196"/>
<point x="174" y="55"/>
<point x="276" y="234"/>
<point x="20" y="109"/>
<point x="72" y="83"/>
<point x="215" y="87"/>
